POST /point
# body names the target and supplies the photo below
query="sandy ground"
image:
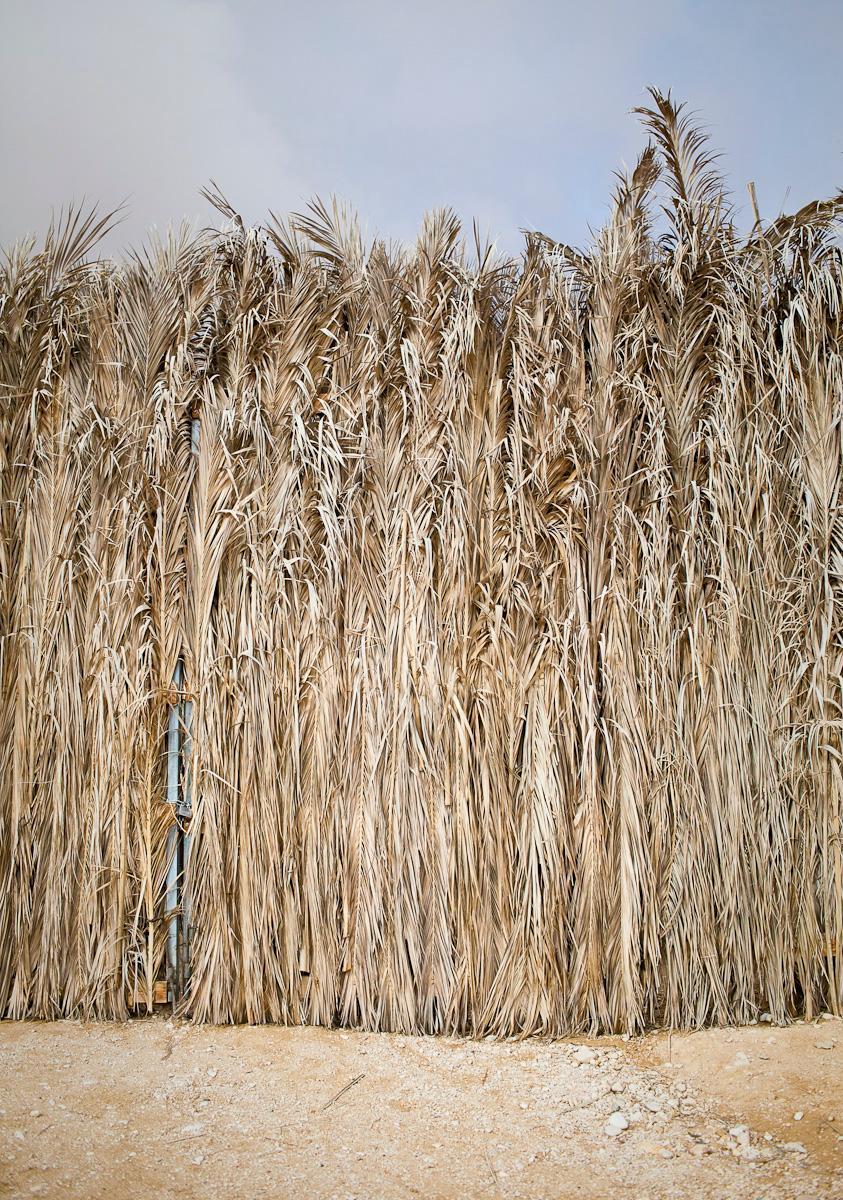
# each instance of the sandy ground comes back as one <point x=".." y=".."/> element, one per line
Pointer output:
<point x="162" y="1109"/>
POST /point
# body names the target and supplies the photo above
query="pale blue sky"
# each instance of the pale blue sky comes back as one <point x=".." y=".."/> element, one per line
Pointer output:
<point x="516" y="114"/>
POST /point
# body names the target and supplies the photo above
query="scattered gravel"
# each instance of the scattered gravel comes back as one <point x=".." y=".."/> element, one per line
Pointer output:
<point x="352" y="1115"/>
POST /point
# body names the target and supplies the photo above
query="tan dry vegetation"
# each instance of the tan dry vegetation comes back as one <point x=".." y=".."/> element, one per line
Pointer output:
<point x="509" y="601"/>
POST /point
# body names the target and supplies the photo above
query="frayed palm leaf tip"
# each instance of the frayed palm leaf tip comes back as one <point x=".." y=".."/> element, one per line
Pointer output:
<point x="508" y="598"/>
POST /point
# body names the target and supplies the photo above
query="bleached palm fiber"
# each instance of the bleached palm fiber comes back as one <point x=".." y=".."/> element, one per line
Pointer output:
<point x="508" y="597"/>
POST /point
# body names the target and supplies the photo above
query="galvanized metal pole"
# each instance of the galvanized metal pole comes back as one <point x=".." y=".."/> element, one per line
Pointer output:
<point x="174" y="836"/>
<point x="187" y="789"/>
<point x="186" y="809"/>
<point x="179" y="795"/>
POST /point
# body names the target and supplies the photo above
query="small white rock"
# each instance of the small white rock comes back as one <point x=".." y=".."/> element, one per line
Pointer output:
<point x="584" y="1055"/>
<point x="797" y="1116"/>
<point x="615" y="1125"/>
<point x="740" y="1133"/>
<point x="740" y="1060"/>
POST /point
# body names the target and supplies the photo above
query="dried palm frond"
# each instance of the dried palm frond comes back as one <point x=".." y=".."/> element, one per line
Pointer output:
<point x="508" y="597"/>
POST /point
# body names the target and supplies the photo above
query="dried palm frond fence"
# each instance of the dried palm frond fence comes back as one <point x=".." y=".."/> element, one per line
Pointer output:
<point x="507" y="598"/>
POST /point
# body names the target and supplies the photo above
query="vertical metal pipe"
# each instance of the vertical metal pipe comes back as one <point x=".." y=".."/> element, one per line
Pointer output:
<point x="174" y="836"/>
<point x="179" y="794"/>
<point x="186" y="807"/>
<point x="185" y="911"/>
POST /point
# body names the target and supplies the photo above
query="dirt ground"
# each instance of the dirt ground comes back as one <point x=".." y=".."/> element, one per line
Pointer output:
<point x="162" y="1109"/>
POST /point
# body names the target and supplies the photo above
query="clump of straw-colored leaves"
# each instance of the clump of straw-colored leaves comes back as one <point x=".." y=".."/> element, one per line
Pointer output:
<point x="509" y="601"/>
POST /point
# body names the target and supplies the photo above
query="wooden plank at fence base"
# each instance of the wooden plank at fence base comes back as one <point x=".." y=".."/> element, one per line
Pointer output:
<point x="137" y="999"/>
